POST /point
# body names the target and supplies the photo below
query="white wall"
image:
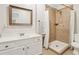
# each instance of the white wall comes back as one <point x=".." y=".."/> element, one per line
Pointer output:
<point x="41" y="17"/>
<point x="4" y="17"/>
<point x="38" y="14"/>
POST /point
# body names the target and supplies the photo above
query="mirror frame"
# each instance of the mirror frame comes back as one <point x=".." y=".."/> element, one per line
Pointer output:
<point x="10" y="15"/>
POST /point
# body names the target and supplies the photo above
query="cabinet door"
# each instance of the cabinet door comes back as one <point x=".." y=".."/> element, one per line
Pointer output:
<point x="34" y="47"/>
<point x="15" y="51"/>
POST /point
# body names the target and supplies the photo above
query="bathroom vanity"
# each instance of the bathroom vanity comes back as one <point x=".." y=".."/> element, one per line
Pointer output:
<point x="21" y="45"/>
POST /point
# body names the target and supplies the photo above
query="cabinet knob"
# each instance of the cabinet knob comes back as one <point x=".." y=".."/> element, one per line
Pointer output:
<point x="27" y="47"/>
<point x="73" y="40"/>
<point x="6" y="46"/>
<point x="23" y="49"/>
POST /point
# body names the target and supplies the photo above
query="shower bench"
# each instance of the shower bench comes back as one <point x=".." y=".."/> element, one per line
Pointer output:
<point x="25" y="45"/>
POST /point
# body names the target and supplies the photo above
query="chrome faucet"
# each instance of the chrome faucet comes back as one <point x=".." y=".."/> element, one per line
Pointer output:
<point x="21" y="34"/>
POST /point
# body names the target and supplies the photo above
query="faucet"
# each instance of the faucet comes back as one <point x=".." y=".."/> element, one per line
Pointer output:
<point x="21" y="34"/>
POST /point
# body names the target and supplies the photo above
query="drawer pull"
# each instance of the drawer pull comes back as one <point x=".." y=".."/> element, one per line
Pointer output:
<point x="23" y="49"/>
<point x="6" y="46"/>
<point x="27" y="47"/>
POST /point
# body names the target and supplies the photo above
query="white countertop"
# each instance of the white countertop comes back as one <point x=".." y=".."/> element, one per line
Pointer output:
<point x="18" y="37"/>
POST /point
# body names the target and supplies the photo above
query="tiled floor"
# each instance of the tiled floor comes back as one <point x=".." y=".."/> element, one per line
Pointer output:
<point x="50" y="52"/>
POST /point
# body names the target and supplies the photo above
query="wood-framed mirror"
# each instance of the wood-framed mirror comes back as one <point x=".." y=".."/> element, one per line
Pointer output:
<point x="19" y="16"/>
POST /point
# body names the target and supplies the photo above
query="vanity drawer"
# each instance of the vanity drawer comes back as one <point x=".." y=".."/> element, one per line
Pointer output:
<point x="12" y="44"/>
<point x="4" y="46"/>
<point x="21" y="42"/>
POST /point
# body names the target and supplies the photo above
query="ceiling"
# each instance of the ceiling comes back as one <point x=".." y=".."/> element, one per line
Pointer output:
<point x="59" y="6"/>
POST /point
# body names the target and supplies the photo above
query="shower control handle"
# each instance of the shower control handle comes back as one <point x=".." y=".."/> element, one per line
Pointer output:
<point x="56" y="24"/>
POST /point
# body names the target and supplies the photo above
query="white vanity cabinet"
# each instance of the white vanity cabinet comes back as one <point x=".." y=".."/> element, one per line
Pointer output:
<point x="35" y="47"/>
<point x="23" y="46"/>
